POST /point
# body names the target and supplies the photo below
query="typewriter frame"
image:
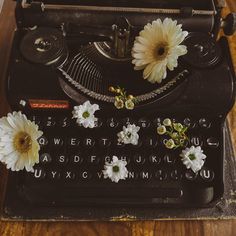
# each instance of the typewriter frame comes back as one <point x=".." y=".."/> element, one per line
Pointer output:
<point x="37" y="7"/>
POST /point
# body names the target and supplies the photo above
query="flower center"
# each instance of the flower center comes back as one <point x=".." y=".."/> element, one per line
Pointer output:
<point x="115" y="169"/>
<point x="22" y="142"/>
<point x="129" y="135"/>
<point x="161" y="51"/>
<point x="86" y="114"/>
<point x="192" y="157"/>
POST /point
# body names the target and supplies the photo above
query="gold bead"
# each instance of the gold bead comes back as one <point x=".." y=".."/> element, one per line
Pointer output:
<point x="130" y="97"/>
<point x="112" y="89"/>
<point x="118" y="90"/>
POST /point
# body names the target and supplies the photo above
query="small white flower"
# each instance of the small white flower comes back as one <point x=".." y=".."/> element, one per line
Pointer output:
<point x="157" y="48"/>
<point x="167" y="122"/>
<point x="115" y="170"/>
<point x="84" y="114"/>
<point x="193" y="158"/>
<point x="119" y="103"/>
<point x="170" y="144"/>
<point x="19" y="148"/>
<point x="161" y="129"/>
<point x="129" y="104"/>
<point x="178" y="126"/>
<point x="129" y="135"/>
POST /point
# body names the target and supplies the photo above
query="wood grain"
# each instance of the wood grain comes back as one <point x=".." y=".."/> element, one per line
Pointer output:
<point x="139" y="228"/>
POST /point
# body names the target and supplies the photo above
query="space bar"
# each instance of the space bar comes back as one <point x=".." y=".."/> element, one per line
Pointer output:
<point x="132" y="192"/>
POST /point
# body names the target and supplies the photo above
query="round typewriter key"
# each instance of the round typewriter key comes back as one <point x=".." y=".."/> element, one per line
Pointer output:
<point x="169" y="159"/>
<point x="64" y="122"/>
<point x="155" y="159"/>
<point x="119" y="145"/>
<point x="176" y="175"/>
<point x="196" y="140"/>
<point x="157" y="122"/>
<point x="89" y="142"/>
<point x="124" y="157"/>
<point x="43" y="141"/>
<point x="143" y="123"/>
<point x="49" y="122"/>
<point x="107" y="158"/>
<point x="112" y="123"/>
<point x="98" y="123"/>
<point x="189" y="122"/>
<point x="93" y="159"/>
<point x="39" y="173"/>
<point x="76" y="159"/>
<point x="132" y="175"/>
<point x="85" y="175"/>
<point x="213" y="142"/>
<point x="104" y="142"/>
<point x="73" y="142"/>
<point x="139" y="159"/>
<point x="145" y="175"/>
<point x="54" y="175"/>
<point x="57" y="142"/>
<point x="204" y="123"/>
<point x="190" y="175"/>
<point x="62" y="159"/>
<point x="69" y="175"/>
<point x="150" y="142"/>
<point x="161" y="175"/>
<point x="35" y="119"/>
<point x="45" y="158"/>
<point x="207" y="174"/>
<point x="127" y="121"/>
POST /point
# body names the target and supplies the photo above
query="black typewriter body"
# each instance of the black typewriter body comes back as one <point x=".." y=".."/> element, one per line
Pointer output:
<point x="199" y="93"/>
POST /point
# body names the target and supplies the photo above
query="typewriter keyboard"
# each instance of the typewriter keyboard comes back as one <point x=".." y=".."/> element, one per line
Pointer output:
<point x="72" y="159"/>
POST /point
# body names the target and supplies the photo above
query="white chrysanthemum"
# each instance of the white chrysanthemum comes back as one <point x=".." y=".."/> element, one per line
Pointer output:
<point x="84" y="114"/>
<point x="129" y="135"/>
<point x="157" y="48"/>
<point x="115" y="170"/>
<point x="19" y="147"/>
<point x="193" y="158"/>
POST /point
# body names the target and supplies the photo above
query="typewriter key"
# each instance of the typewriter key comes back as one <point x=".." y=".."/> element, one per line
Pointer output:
<point x="39" y="173"/>
<point x="45" y="158"/>
<point x="213" y="142"/>
<point x="54" y="174"/>
<point x="207" y="174"/>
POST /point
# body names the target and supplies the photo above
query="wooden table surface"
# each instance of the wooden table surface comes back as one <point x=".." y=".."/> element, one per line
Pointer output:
<point x="137" y="228"/>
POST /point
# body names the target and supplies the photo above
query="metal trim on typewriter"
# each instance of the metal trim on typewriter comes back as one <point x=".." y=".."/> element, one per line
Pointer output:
<point x="119" y="9"/>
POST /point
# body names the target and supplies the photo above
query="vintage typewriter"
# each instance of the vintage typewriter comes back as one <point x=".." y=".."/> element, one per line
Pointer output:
<point x="67" y="52"/>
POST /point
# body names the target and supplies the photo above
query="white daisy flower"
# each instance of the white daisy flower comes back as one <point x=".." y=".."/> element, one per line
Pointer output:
<point x="84" y="114"/>
<point x="129" y="135"/>
<point x="19" y="148"/>
<point x="157" y="48"/>
<point x="193" y="158"/>
<point x="115" y="170"/>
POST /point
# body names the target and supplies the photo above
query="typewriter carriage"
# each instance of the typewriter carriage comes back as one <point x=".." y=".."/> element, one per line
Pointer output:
<point x="108" y="39"/>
